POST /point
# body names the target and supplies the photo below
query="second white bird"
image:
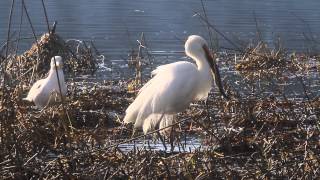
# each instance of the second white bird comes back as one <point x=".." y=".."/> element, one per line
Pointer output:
<point x="46" y="91"/>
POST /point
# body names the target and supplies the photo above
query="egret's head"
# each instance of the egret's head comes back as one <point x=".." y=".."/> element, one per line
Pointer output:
<point x="197" y="48"/>
<point x="58" y="60"/>
<point x="194" y="45"/>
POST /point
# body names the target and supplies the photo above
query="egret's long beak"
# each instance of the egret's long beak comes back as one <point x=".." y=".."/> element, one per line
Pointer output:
<point x="58" y="65"/>
<point x="215" y="70"/>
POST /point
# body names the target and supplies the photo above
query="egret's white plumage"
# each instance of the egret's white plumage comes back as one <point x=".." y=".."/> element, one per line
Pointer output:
<point x="152" y="122"/>
<point x="46" y="91"/>
<point x="173" y="87"/>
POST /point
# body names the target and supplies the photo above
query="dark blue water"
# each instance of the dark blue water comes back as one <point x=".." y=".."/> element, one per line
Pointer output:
<point x="167" y="22"/>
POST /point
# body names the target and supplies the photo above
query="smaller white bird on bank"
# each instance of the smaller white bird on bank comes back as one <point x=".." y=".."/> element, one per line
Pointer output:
<point x="46" y="91"/>
<point x="174" y="86"/>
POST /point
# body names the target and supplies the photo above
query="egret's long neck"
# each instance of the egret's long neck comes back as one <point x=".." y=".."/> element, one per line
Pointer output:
<point x="205" y="76"/>
<point x="53" y="75"/>
<point x="202" y="64"/>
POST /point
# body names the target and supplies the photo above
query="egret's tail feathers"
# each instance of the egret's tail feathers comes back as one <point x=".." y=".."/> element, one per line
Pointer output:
<point x="166" y="122"/>
<point x="151" y="122"/>
<point x="130" y="117"/>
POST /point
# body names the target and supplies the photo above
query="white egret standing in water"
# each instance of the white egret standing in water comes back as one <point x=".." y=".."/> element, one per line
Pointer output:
<point x="174" y="86"/>
<point x="46" y="91"/>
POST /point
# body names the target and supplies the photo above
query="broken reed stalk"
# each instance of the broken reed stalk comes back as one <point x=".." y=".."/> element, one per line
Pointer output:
<point x="35" y="38"/>
<point x="30" y="23"/>
<point x="56" y="69"/>
<point x="219" y="32"/>
<point x="257" y="26"/>
<point x="18" y="41"/>
<point x="148" y="51"/>
<point x="45" y="15"/>
<point x="208" y="28"/>
<point x="62" y="97"/>
<point x="138" y="61"/>
<point x="7" y="51"/>
<point x="4" y="46"/>
<point x="19" y="33"/>
<point x="237" y="48"/>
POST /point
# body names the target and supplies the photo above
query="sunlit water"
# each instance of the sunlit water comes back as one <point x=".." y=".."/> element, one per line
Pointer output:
<point x="167" y="22"/>
<point x="189" y="144"/>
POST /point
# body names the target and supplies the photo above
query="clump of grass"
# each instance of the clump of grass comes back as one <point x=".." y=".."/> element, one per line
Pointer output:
<point x="34" y="63"/>
<point x="262" y="61"/>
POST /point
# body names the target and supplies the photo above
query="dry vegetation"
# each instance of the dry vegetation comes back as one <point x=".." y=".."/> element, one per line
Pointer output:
<point x="251" y="136"/>
<point x="248" y="137"/>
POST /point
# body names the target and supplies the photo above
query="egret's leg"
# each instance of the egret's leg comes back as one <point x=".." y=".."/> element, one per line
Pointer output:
<point x="134" y="133"/>
<point x="171" y="138"/>
<point x="122" y="127"/>
<point x="144" y="141"/>
<point x="162" y="139"/>
<point x="172" y="133"/>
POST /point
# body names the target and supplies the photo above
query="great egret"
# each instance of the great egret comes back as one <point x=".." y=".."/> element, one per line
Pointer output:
<point x="174" y="86"/>
<point x="46" y="91"/>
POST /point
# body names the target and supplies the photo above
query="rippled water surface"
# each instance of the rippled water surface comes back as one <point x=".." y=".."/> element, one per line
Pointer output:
<point x="164" y="22"/>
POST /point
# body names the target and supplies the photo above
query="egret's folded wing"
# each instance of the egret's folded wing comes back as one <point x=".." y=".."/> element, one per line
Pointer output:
<point x="163" y="93"/>
<point x="35" y="89"/>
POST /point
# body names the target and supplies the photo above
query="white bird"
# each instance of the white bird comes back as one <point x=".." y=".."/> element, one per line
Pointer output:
<point x="46" y="91"/>
<point x="174" y="86"/>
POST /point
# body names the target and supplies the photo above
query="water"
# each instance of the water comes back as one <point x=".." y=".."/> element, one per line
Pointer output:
<point x="166" y="23"/>
<point x="189" y="144"/>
